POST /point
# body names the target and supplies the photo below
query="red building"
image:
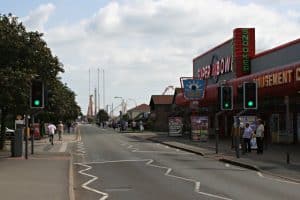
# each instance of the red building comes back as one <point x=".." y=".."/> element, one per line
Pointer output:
<point x="276" y="71"/>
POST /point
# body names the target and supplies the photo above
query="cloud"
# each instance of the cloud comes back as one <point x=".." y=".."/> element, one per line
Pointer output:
<point x="38" y="17"/>
<point x="144" y="46"/>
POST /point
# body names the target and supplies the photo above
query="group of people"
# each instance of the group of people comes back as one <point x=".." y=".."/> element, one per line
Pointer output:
<point x="250" y="133"/>
<point x="124" y="125"/>
<point x="52" y="129"/>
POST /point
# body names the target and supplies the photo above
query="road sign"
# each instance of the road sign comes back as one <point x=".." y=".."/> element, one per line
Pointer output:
<point x="193" y="89"/>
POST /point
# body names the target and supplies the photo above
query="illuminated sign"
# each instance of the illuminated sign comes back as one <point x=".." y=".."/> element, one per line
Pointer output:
<point x="243" y="50"/>
<point x="277" y="78"/>
<point x="245" y="45"/>
<point x="298" y="74"/>
<point x="220" y="67"/>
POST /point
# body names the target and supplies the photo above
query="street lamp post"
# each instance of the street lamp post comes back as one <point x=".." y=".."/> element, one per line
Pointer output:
<point x="123" y="104"/>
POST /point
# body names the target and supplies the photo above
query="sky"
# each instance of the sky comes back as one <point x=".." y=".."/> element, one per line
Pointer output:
<point x="143" y="46"/>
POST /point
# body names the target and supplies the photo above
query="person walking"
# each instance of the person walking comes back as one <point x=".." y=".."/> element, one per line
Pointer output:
<point x="248" y="132"/>
<point x="51" y="130"/>
<point x="141" y="126"/>
<point x="260" y="136"/>
<point x="60" y="128"/>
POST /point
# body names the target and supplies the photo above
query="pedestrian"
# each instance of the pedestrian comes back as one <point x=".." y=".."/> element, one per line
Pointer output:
<point x="141" y="126"/>
<point x="51" y="130"/>
<point x="260" y="136"/>
<point x="133" y="125"/>
<point x="248" y="133"/>
<point x="60" y="128"/>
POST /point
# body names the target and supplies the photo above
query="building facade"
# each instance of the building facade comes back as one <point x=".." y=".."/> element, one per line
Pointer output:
<point x="277" y="73"/>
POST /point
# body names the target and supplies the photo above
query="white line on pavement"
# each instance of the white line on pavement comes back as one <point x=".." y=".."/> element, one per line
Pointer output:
<point x="136" y="150"/>
<point x="197" y="183"/>
<point x="84" y="185"/>
<point x="149" y="163"/>
<point x="276" y="179"/>
<point x="63" y="147"/>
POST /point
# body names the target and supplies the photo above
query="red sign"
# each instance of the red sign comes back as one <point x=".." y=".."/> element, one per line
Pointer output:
<point x="243" y="50"/>
<point x="219" y="67"/>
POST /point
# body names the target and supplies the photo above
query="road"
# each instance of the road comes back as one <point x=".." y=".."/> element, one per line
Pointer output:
<point x="112" y="165"/>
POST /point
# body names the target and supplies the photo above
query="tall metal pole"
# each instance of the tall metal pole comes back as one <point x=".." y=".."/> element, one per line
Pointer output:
<point x="98" y="90"/>
<point x="26" y="137"/>
<point x="32" y="137"/>
<point x="103" y="90"/>
<point x="95" y="102"/>
<point x="89" y="82"/>
<point x="112" y="110"/>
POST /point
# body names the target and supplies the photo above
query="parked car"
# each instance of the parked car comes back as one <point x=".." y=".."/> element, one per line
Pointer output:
<point x="8" y="132"/>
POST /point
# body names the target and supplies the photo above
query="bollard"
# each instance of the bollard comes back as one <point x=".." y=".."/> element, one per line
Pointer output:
<point x="287" y="158"/>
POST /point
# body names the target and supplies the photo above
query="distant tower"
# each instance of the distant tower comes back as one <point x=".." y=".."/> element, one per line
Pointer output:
<point x="90" y="112"/>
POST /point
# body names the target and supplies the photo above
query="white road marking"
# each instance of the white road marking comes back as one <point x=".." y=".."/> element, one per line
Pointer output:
<point x="276" y="179"/>
<point x="63" y="147"/>
<point x="136" y="150"/>
<point x="197" y="183"/>
<point x="167" y="147"/>
<point x="227" y="165"/>
<point x="149" y="163"/>
<point x="84" y="185"/>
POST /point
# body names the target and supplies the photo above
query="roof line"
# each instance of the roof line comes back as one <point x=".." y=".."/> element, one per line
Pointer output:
<point x="277" y="48"/>
<point x="214" y="48"/>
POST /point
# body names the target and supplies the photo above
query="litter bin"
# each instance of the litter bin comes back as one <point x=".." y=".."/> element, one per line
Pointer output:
<point x="17" y="143"/>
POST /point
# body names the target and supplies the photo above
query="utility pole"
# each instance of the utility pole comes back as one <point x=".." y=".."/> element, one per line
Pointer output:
<point x="98" y="90"/>
<point x="95" y="102"/>
<point x="103" y="90"/>
<point x="89" y="81"/>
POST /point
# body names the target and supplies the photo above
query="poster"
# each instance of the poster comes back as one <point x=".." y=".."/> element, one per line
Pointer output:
<point x="175" y="126"/>
<point x="199" y="125"/>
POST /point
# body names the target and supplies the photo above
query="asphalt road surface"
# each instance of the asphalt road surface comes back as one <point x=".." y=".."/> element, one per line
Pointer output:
<point x="119" y="166"/>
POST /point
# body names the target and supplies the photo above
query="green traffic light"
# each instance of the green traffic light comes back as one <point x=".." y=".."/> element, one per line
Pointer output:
<point x="36" y="102"/>
<point x="250" y="103"/>
<point x="226" y="105"/>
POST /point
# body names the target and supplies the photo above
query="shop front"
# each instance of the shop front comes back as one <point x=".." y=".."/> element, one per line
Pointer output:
<point x="277" y="73"/>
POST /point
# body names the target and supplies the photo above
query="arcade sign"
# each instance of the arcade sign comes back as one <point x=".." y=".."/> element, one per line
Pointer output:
<point x="193" y="89"/>
<point x="222" y="66"/>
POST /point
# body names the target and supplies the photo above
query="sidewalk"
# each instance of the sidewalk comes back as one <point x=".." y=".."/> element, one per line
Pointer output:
<point x="273" y="161"/>
<point x="45" y="175"/>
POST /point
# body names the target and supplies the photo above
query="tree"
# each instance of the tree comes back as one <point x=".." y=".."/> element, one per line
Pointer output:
<point x="24" y="56"/>
<point x="102" y="116"/>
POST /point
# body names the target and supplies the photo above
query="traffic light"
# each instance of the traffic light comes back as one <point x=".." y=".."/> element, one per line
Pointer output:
<point x="37" y="94"/>
<point x="250" y="95"/>
<point x="226" y="98"/>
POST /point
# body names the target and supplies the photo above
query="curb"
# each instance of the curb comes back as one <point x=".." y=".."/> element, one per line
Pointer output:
<point x="255" y="168"/>
<point x="71" y="179"/>
<point x="232" y="162"/>
<point x="174" y="146"/>
<point x="240" y="164"/>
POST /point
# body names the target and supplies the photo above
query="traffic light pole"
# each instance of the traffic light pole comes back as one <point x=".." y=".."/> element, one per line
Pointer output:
<point x="26" y="137"/>
<point x="237" y="133"/>
<point x="32" y="137"/>
<point x="217" y="129"/>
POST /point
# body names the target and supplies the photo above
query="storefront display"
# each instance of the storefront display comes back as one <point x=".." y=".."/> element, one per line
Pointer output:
<point x="175" y="126"/>
<point x="199" y="125"/>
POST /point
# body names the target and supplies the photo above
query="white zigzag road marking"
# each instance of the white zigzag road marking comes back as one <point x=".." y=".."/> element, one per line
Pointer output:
<point x="276" y="179"/>
<point x="94" y="178"/>
<point x="162" y="152"/>
<point x="197" y="183"/>
<point x="149" y="163"/>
